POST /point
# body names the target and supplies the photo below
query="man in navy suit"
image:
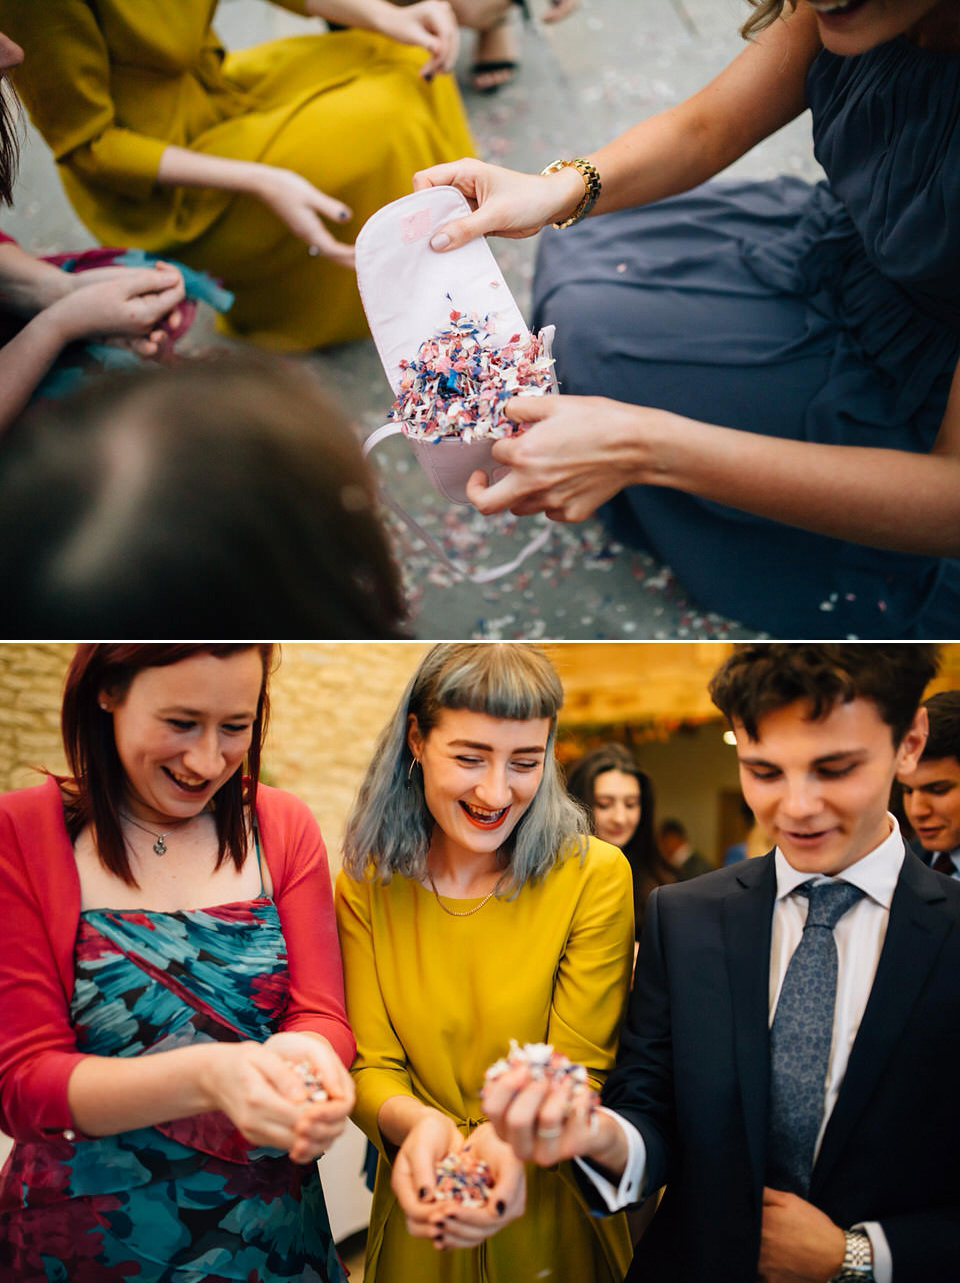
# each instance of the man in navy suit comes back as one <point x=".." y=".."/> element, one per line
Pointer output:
<point x="931" y="791"/>
<point x="699" y="1103"/>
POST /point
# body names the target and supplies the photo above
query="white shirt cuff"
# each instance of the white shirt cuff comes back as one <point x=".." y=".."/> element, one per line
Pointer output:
<point x="631" y="1182"/>
<point x="882" y="1260"/>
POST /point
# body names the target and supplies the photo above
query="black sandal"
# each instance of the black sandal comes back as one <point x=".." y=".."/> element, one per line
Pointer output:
<point x="486" y="66"/>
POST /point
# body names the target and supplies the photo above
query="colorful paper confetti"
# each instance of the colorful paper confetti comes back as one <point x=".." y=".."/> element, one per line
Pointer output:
<point x="463" y="1178"/>
<point x="461" y="379"/>
<point x="312" y="1083"/>
<point x="541" y="1061"/>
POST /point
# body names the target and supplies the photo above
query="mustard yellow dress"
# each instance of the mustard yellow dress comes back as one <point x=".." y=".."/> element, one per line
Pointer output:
<point x="111" y="83"/>
<point x="434" y="999"/>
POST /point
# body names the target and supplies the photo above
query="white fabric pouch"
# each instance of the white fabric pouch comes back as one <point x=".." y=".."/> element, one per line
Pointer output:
<point x="408" y="291"/>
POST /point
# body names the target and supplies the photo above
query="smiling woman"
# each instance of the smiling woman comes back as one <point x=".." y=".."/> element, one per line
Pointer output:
<point x="168" y="972"/>
<point x="471" y="893"/>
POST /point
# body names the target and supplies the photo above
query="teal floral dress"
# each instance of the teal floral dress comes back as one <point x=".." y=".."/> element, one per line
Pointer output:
<point x="190" y="1201"/>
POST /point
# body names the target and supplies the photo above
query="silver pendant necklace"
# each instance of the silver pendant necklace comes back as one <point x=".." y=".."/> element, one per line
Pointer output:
<point x="159" y="846"/>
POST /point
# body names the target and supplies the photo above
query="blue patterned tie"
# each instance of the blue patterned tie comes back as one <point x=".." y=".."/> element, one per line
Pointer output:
<point x="800" y="1039"/>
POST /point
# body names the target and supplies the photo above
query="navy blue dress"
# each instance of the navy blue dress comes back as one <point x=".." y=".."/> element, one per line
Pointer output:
<point x="826" y="312"/>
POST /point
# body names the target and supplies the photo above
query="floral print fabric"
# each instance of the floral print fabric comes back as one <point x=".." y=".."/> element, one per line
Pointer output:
<point x="189" y="1201"/>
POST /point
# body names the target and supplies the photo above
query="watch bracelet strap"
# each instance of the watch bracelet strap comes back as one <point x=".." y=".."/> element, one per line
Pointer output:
<point x="857" y="1264"/>
<point x="592" y="187"/>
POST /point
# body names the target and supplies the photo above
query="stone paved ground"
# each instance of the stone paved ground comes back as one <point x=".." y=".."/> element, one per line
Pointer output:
<point x="611" y="63"/>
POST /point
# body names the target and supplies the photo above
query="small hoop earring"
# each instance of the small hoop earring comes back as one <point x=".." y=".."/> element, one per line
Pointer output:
<point x="414" y="761"/>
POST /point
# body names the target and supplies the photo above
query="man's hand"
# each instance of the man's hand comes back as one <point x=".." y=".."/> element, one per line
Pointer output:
<point x="799" y="1243"/>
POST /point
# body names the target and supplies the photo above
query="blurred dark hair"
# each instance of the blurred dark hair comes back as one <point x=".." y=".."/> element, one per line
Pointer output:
<point x="760" y="677"/>
<point x="676" y="827"/>
<point x="943" y="711"/>
<point x="9" y="140"/>
<point x="219" y="497"/>
<point x="649" y="867"/>
<point x="96" y="789"/>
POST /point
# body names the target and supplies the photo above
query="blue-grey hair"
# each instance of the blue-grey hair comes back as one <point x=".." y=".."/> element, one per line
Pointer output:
<point x="390" y="826"/>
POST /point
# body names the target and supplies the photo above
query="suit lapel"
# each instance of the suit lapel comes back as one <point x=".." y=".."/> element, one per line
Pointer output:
<point x="747" y="919"/>
<point x="915" y="934"/>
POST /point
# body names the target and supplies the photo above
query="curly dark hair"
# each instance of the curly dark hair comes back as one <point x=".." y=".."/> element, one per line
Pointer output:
<point x="760" y="677"/>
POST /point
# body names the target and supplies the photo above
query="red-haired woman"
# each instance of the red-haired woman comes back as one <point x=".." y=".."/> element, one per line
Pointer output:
<point x="171" y="987"/>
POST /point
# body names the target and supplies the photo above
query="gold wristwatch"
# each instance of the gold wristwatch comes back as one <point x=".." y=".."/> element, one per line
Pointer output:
<point x="591" y="182"/>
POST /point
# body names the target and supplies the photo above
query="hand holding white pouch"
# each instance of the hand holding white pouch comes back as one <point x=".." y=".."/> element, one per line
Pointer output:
<point x="408" y="292"/>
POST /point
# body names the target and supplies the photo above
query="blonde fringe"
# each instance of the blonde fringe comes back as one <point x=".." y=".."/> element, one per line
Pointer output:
<point x="766" y="12"/>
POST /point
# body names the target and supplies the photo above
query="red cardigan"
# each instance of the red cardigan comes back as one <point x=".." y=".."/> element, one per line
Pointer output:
<point x="38" y="931"/>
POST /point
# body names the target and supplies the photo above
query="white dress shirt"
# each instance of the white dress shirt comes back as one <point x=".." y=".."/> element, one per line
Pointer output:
<point x="859" y="935"/>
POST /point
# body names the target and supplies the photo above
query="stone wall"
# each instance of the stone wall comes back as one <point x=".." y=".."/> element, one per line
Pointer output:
<point x="330" y="700"/>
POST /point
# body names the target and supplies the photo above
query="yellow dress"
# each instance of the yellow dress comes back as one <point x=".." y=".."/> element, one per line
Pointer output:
<point x="434" y="999"/>
<point x="111" y="83"/>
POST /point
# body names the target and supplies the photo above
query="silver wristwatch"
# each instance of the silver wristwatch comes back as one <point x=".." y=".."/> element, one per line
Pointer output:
<point x="857" y="1264"/>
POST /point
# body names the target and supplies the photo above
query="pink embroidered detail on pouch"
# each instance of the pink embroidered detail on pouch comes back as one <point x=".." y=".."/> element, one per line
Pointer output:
<point x="416" y="226"/>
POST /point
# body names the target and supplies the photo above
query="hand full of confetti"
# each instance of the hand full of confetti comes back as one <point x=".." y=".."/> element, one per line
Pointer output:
<point x="460" y="381"/>
<point x="541" y="1061"/>
<point x="315" y="1089"/>
<point x="462" y="1178"/>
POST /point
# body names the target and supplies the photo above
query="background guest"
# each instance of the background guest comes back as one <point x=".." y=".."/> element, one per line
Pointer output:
<point x="619" y="799"/>
<point x="677" y="850"/>
<point x="931" y="790"/>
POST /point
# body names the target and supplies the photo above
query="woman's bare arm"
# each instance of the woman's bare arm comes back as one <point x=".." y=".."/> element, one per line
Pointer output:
<point x="759" y="92"/>
<point x="580" y="451"/>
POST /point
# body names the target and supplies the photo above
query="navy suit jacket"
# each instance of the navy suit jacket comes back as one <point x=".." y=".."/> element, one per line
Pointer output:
<point x="693" y="1070"/>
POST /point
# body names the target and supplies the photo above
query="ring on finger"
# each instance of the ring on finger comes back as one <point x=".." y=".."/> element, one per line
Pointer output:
<point x="549" y="1133"/>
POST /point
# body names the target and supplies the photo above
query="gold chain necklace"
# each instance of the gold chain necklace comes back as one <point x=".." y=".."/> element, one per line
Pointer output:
<point x="465" y="913"/>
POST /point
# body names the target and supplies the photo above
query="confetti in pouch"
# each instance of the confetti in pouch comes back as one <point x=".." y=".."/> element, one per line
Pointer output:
<point x="408" y="292"/>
